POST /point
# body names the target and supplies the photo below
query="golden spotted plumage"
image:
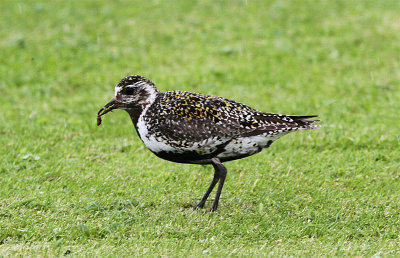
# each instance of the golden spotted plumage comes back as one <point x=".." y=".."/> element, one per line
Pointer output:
<point x="191" y="106"/>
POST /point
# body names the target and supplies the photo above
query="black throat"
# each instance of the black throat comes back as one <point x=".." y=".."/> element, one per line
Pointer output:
<point x="135" y="114"/>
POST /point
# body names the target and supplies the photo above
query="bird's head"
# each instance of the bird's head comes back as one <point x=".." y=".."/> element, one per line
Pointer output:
<point x="131" y="93"/>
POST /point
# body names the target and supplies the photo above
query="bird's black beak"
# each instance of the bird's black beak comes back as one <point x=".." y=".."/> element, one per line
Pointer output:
<point x="113" y="104"/>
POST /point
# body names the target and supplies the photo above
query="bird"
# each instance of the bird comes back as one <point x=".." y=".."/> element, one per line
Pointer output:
<point x="194" y="128"/>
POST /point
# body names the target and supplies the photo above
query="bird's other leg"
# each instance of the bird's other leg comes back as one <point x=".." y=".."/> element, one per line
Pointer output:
<point x="221" y="171"/>
<point x="209" y="190"/>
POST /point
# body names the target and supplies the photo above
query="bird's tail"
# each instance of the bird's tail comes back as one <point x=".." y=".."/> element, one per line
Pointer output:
<point x="304" y="122"/>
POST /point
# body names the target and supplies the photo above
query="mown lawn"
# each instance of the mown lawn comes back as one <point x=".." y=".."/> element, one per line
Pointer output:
<point x="70" y="187"/>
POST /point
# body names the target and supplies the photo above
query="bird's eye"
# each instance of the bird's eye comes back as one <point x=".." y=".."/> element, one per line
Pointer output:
<point x="129" y="91"/>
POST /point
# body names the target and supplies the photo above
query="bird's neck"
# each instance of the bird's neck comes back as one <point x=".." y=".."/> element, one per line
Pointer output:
<point x="137" y="111"/>
<point x="135" y="114"/>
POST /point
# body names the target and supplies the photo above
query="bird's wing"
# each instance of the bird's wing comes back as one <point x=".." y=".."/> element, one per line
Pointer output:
<point x="187" y="117"/>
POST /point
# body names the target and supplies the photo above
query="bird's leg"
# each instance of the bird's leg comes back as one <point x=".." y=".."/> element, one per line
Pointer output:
<point x="219" y="175"/>
<point x="221" y="171"/>
<point x="209" y="190"/>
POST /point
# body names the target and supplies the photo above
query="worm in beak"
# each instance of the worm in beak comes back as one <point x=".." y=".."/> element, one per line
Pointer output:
<point x="107" y="108"/>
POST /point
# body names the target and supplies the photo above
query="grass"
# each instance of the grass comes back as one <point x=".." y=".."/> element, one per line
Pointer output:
<point x="69" y="187"/>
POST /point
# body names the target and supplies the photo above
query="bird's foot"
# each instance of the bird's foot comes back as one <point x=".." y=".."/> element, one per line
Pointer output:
<point x="198" y="206"/>
<point x="213" y="208"/>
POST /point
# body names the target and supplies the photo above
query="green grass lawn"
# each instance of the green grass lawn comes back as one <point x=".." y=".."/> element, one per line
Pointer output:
<point x="70" y="187"/>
